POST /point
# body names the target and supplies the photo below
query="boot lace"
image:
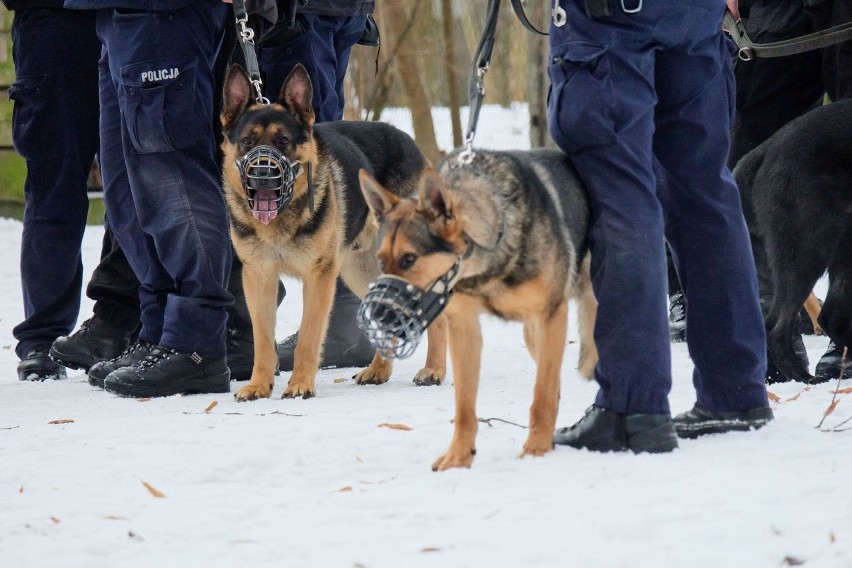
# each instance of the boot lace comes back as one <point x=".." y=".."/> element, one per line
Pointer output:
<point x="157" y="354"/>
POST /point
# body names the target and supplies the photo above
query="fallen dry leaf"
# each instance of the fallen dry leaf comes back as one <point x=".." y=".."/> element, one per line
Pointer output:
<point x="430" y="549"/>
<point x="796" y="396"/>
<point x="344" y="489"/>
<point x="844" y="391"/>
<point x="115" y="518"/>
<point x="153" y="490"/>
<point x="211" y="406"/>
<point x="831" y="538"/>
<point x="339" y="380"/>
<point x="55" y="520"/>
<point x="61" y="421"/>
<point x="394" y="426"/>
<point x="831" y="408"/>
<point x="21" y="489"/>
<point x="144" y="399"/>
<point x="773" y="397"/>
<point x="792" y="561"/>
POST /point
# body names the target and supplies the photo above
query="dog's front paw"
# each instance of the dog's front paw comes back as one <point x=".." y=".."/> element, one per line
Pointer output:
<point x="373" y="375"/>
<point x="537" y="447"/>
<point x="297" y="389"/>
<point x="253" y="392"/>
<point x="454" y="457"/>
<point x="427" y="377"/>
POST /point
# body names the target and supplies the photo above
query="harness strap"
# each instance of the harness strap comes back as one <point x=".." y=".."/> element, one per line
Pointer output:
<point x="748" y="50"/>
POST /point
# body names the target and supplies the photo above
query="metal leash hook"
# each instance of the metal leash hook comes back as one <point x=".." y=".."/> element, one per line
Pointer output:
<point x="559" y="15"/>
<point x="246" y="34"/>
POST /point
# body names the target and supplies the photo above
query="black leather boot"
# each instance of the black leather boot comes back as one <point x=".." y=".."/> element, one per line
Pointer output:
<point x="38" y="366"/>
<point x="345" y="344"/>
<point x="831" y="363"/>
<point x="95" y="341"/>
<point x="134" y="353"/>
<point x="677" y="317"/>
<point x="165" y="372"/>
<point x="602" y="430"/>
<point x="697" y="422"/>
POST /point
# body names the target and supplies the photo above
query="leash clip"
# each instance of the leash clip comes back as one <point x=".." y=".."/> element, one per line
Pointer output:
<point x="466" y="156"/>
<point x="558" y="15"/>
<point x="246" y="32"/>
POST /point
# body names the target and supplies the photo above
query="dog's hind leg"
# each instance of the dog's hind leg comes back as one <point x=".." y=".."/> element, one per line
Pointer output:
<point x="318" y="296"/>
<point x="548" y="334"/>
<point x="465" y="337"/>
<point x="261" y="288"/>
<point x="436" y="356"/>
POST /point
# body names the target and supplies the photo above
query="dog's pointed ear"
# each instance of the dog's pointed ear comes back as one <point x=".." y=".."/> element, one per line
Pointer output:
<point x="480" y="219"/>
<point x="379" y="200"/>
<point x="432" y="198"/>
<point x="235" y="95"/>
<point x="297" y="95"/>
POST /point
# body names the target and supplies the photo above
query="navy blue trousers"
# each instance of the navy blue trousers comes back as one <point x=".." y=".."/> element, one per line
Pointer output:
<point x="55" y="129"/>
<point x="625" y="91"/>
<point x="161" y="184"/>
<point x="323" y="47"/>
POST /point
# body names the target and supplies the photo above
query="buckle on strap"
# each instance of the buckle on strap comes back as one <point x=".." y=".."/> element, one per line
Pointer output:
<point x="631" y="10"/>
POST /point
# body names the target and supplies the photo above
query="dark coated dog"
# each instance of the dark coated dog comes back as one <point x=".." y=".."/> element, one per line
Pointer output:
<point x="797" y="199"/>
<point x="514" y="224"/>
<point x="296" y="208"/>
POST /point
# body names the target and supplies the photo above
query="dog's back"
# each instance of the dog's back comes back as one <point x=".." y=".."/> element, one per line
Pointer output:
<point x="538" y="203"/>
<point x="389" y="154"/>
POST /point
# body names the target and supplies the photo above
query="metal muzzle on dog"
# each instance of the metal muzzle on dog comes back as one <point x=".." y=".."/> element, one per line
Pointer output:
<point x="394" y="313"/>
<point x="268" y="177"/>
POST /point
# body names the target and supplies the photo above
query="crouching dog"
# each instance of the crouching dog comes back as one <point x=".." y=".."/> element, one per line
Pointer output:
<point x="502" y="235"/>
<point x="296" y="208"/>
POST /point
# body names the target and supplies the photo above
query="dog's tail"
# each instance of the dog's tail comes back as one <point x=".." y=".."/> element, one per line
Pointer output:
<point x="587" y="313"/>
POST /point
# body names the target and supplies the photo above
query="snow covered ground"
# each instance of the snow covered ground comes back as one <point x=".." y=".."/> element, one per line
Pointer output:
<point x="91" y="480"/>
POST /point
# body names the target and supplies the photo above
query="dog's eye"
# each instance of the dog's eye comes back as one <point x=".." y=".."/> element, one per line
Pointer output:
<point x="246" y="141"/>
<point x="283" y="142"/>
<point x="407" y="260"/>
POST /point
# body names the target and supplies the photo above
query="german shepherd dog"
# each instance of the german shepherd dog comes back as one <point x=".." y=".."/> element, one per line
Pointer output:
<point x="323" y="232"/>
<point x="519" y="221"/>
<point x="796" y="192"/>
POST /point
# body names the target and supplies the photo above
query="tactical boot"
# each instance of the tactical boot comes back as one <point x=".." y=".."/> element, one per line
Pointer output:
<point x="677" y="317"/>
<point x="602" y="430"/>
<point x="38" y="366"/>
<point x="697" y="422"/>
<point x="165" y="372"/>
<point x="134" y="353"/>
<point x="831" y="364"/>
<point x="345" y="344"/>
<point x="95" y="341"/>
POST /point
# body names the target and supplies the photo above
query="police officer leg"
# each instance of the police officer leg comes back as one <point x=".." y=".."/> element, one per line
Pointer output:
<point x="56" y="53"/>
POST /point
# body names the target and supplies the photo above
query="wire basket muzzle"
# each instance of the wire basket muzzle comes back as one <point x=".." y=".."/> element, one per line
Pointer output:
<point x="394" y="314"/>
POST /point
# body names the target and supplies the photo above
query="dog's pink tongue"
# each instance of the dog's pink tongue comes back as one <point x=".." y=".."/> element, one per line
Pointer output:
<point x="264" y="201"/>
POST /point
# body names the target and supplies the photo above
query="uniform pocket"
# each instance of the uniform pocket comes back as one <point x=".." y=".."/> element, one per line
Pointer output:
<point x="161" y="106"/>
<point x="28" y="116"/>
<point x="579" y="106"/>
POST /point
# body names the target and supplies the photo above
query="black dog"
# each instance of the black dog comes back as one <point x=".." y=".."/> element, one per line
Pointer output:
<point x="797" y="199"/>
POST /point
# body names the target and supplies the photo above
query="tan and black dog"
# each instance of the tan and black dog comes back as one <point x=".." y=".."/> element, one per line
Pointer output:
<point x="323" y="231"/>
<point x="518" y="220"/>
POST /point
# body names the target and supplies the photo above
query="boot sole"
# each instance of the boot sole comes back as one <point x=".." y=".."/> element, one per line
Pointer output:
<point x="71" y="361"/>
<point x="692" y="431"/>
<point x="220" y="383"/>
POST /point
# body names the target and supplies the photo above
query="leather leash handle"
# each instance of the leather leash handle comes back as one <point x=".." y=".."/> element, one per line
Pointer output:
<point x="749" y="50"/>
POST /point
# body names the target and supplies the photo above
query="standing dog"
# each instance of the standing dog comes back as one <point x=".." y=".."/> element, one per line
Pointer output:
<point x="296" y="209"/>
<point x="514" y="225"/>
<point x="797" y="199"/>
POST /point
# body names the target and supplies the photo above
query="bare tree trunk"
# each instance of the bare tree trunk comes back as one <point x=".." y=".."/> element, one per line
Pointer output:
<point x="537" y="80"/>
<point x="450" y="64"/>
<point x="409" y="71"/>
